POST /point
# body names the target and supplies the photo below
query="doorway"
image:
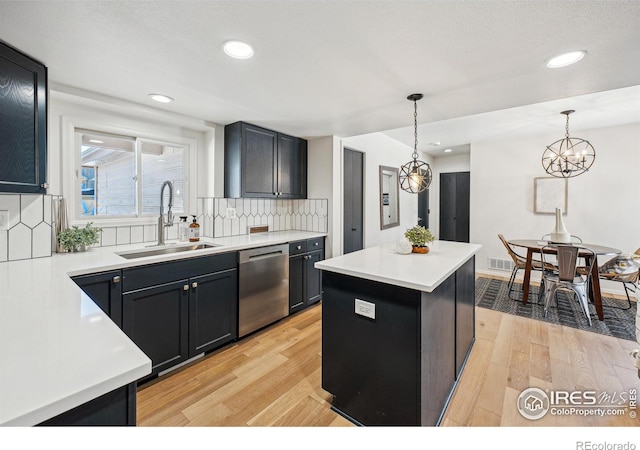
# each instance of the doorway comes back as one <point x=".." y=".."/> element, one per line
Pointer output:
<point x="353" y="201"/>
<point x="454" y="206"/>
<point x="423" y="208"/>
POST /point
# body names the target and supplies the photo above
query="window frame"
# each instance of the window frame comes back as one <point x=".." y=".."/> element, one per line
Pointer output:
<point x="71" y="169"/>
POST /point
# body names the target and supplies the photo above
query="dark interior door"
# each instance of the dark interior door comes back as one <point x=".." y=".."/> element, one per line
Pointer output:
<point x="454" y="206"/>
<point x="353" y="201"/>
<point x="423" y="208"/>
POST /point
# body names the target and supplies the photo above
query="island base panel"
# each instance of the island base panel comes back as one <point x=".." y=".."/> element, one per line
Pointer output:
<point x="401" y="367"/>
<point x="367" y="362"/>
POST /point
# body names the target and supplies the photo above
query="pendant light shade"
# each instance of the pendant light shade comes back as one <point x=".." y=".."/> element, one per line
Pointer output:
<point x="569" y="156"/>
<point x="415" y="176"/>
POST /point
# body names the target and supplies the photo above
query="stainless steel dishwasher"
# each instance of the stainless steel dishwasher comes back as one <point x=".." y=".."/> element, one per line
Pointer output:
<point x="263" y="279"/>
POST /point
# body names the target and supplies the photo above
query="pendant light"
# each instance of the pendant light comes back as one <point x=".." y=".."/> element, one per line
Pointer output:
<point x="415" y="176"/>
<point x="568" y="157"/>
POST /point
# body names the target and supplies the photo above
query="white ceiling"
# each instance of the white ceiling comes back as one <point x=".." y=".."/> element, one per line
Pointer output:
<point x="345" y="68"/>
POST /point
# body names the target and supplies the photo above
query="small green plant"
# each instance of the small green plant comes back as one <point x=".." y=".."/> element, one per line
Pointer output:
<point x="75" y="239"/>
<point x="419" y="236"/>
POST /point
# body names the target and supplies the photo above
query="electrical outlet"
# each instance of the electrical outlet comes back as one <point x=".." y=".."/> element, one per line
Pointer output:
<point x="4" y="220"/>
<point x="231" y="213"/>
<point x="366" y="309"/>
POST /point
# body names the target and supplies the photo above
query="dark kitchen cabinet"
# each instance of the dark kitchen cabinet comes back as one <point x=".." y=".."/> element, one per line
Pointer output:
<point x="176" y="310"/>
<point x="263" y="163"/>
<point x="156" y="319"/>
<point x="105" y="289"/>
<point x="23" y="122"/>
<point x="115" y="408"/>
<point x="305" y="281"/>
<point x="213" y="311"/>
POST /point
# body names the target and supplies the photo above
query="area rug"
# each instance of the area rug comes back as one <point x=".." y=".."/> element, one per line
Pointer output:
<point x="620" y="323"/>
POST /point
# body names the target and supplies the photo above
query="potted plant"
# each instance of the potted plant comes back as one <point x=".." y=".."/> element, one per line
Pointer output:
<point x="419" y="237"/>
<point x="76" y="239"/>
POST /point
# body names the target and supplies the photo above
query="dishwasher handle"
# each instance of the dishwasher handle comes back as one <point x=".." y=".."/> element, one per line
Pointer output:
<point x="259" y="253"/>
<point x="263" y="256"/>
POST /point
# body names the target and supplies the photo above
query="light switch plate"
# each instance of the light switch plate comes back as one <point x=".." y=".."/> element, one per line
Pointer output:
<point x="231" y="213"/>
<point x="4" y="220"/>
<point x="366" y="309"/>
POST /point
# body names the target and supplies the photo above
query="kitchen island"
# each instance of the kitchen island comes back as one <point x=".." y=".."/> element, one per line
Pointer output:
<point x="397" y="331"/>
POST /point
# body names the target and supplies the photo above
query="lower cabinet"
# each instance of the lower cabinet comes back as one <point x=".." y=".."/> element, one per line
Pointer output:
<point x="105" y="289"/>
<point x="305" y="281"/>
<point x="115" y="408"/>
<point x="172" y="320"/>
<point x="213" y="311"/>
<point x="157" y="320"/>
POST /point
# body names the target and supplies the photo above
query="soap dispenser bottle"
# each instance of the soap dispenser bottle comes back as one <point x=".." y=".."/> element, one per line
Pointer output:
<point x="183" y="229"/>
<point x="194" y="231"/>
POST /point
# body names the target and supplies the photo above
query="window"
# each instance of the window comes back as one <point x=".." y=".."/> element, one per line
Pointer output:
<point x="121" y="176"/>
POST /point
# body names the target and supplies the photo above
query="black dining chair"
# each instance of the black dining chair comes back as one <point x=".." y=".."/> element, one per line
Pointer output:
<point x="567" y="277"/>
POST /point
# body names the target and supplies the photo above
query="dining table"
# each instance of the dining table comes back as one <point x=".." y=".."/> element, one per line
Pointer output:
<point x="536" y="245"/>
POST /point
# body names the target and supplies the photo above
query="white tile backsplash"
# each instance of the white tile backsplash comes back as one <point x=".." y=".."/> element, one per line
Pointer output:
<point x="278" y="215"/>
<point x="137" y="234"/>
<point x="30" y="226"/>
<point x="20" y="242"/>
<point x="31" y="209"/>
<point x="41" y="239"/>
<point x="108" y="236"/>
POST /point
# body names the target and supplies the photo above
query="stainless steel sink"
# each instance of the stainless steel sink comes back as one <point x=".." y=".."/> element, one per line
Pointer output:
<point x="165" y="250"/>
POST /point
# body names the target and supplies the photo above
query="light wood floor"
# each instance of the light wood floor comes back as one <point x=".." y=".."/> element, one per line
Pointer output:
<point x="273" y="377"/>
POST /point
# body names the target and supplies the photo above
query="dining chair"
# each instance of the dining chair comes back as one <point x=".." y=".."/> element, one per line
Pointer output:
<point x="520" y="262"/>
<point x="567" y="277"/>
<point x="628" y="275"/>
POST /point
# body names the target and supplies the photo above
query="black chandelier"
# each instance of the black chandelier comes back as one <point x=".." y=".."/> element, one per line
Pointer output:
<point x="568" y="157"/>
<point x="415" y="176"/>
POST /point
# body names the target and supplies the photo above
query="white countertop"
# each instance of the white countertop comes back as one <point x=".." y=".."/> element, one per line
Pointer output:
<point x="422" y="272"/>
<point x="58" y="349"/>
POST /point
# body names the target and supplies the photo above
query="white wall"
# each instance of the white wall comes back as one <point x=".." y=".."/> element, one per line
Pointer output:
<point x="381" y="150"/>
<point x="602" y="203"/>
<point x="324" y="177"/>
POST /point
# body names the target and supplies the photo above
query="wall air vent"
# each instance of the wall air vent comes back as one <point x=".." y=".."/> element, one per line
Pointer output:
<point x="501" y="264"/>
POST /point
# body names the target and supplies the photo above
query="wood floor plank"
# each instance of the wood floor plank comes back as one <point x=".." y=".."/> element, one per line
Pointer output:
<point x="273" y="377"/>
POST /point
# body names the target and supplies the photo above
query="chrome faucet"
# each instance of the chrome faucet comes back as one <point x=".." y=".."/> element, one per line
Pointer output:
<point x="161" y="223"/>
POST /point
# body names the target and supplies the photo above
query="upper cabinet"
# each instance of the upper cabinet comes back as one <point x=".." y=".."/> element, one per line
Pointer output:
<point x="23" y="123"/>
<point x="263" y="163"/>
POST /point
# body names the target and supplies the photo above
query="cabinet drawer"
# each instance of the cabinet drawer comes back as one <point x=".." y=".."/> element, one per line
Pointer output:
<point x="315" y="244"/>
<point x="297" y="247"/>
<point x="167" y="272"/>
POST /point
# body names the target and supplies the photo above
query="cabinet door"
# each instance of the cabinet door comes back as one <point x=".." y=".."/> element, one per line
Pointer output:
<point x="313" y="278"/>
<point x="213" y="311"/>
<point x="105" y="289"/>
<point x="292" y="167"/>
<point x="259" y="161"/>
<point x="23" y="123"/>
<point x="156" y="319"/>
<point x="296" y="282"/>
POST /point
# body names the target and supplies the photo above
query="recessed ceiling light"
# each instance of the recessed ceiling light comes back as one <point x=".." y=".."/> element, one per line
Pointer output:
<point x="238" y="49"/>
<point x="448" y="150"/>
<point x="161" y="98"/>
<point x="434" y="144"/>
<point x="96" y="141"/>
<point x="566" y="59"/>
